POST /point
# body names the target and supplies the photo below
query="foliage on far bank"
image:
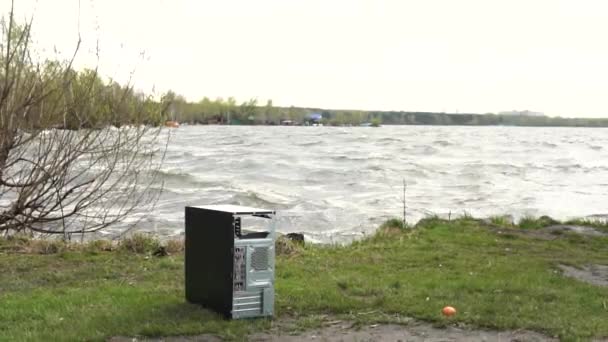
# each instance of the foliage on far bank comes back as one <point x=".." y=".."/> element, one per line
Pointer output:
<point x="495" y="279"/>
<point x="251" y="112"/>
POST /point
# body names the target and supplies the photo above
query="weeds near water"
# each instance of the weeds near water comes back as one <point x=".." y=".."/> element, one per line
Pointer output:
<point x="530" y="222"/>
<point x="595" y="223"/>
<point x="467" y="215"/>
<point x="285" y="246"/>
<point x="501" y="220"/>
<point x="394" y="224"/>
<point x="175" y="246"/>
<point x="100" y="246"/>
<point x="139" y="243"/>
<point x="24" y="244"/>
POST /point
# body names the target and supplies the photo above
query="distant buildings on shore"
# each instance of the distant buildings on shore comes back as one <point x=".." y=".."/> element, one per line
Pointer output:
<point x="522" y="113"/>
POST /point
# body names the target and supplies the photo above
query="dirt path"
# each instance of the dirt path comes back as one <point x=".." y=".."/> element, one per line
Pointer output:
<point x="345" y="331"/>
<point x="411" y="332"/>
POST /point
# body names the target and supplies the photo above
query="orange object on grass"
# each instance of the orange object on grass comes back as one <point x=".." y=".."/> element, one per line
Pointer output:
<point x="448" y="311"/>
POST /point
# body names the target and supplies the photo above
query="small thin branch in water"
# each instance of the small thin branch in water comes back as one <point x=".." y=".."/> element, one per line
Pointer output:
<point x="404" y="204"/>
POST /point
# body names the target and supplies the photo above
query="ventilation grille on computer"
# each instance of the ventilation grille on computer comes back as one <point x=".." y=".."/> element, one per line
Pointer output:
<point x="247" y="304"/>
<point x="239" y="272"/>
<point x="259" y="259"/>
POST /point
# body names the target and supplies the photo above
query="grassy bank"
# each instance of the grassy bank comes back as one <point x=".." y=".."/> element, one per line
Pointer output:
<point x="494" y="273"/>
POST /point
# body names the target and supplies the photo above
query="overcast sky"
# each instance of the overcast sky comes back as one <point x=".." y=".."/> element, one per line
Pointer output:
<point x="426" y="55"/>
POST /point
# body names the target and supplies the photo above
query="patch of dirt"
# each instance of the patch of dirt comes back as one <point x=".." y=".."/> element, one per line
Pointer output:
<point x="411" y="332"/>
<point x="566" y="228"/>
<point x="592" y="274"/>
<point x="346" y="331"/>
<point x="554" y="232"/>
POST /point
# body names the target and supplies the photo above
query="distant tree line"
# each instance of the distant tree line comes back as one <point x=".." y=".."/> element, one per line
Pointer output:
<point x="229" y="111"/>
<point x="489" y="119"/>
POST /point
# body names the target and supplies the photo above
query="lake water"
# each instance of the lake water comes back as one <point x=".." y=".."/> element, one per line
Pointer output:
<point x="338" y="183"/>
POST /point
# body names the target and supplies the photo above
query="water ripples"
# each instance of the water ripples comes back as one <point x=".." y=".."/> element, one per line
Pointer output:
<point x="336" y="184"/>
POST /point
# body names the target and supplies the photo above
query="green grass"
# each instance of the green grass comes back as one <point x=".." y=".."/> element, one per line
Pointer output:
<point x="500" y="281"/>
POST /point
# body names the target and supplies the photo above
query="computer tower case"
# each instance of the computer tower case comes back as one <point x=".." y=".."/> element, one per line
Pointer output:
<point x="228" y="269"/>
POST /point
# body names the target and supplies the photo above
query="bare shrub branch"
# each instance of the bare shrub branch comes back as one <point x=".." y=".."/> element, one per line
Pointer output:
<point x="77" y="154"/>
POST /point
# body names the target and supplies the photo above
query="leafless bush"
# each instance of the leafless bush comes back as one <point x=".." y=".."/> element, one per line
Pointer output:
<point x="77" y="154"/>
<point x="175" y="246"/>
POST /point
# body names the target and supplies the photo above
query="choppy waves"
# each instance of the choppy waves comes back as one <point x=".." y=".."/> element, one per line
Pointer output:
<point x="336" y="184"/>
